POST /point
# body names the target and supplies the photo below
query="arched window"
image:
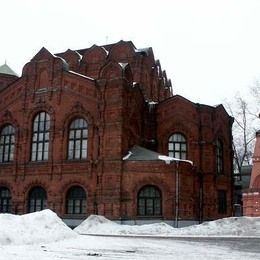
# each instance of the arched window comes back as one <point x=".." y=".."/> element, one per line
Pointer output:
<point x="5" y="200"/>
<point x="76" y="201"/>
<point x="149" y="201"/>
<point x="177" y="146"/>
<point x="78" y="139"/>
<point x="37" y="199"/>
<point x="7" y="143"/>
<point x="219" y="157"/>
<point x="40" y="137"/>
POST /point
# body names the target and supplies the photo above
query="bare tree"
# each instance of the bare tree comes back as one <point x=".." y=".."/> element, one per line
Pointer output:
<point x="243" y="131"/>
<point x="255" y="91"/>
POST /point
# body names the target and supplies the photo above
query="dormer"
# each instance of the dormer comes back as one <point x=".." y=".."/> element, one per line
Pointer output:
<point x="95" y="54"/>
<point x="73" y="58"/>
<point x="44" y="70"/>
<point x="122" y="51"/>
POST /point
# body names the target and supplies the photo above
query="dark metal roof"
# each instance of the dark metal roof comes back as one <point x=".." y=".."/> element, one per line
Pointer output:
<point x="138" y="153"/>
<point x="5" y="69"/>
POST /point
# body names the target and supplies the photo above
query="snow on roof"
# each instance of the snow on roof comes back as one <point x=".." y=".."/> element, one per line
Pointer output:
<point x="152" y="102"/>
<point x="138" y="153"/>
<point x="107" y="52"/>
<point x="127" y="156"/>
<point x="169" y="159"/>
<point x="81" y="75"/>
<point x="123" y="64"/>
<point x="143" y="50"/>
<point x="80" y="56"/>
<point x="151" y="105"/>
<point x="64" y="62"/>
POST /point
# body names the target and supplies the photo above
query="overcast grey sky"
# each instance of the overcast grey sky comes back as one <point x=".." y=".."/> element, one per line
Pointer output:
<point x="209" y="48"/>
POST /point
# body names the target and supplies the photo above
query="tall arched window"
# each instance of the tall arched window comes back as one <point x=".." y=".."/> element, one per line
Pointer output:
<point x="7" y="143"/>
<point x="78" y="139"/>
<point x="5" y="200"/>
<point x="149" y="201"/>
<point x="177" y="146"/>
<point x="219" y="157"/>
<point x="40" y="137"/>
<point x="76" y="201"/>
<point x="37" y="199"/>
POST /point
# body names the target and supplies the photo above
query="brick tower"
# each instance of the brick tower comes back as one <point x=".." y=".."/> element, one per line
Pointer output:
<point x="251" y="197"/>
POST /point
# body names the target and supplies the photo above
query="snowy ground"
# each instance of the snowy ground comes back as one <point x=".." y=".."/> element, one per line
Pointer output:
<point x="43" y="236"/>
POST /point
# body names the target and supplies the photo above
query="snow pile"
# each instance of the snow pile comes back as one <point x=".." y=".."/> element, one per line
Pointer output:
<point x="38" y="227"/>
<point x="235" y="226"/>
<point x="95" y="224"/>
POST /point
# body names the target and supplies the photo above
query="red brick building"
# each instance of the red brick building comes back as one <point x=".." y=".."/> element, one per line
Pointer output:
<point x="251" y="196"/>
<point x="82" y="133"/>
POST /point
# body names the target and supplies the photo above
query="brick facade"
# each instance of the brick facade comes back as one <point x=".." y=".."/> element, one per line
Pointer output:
<point x="126" y="100"/>
<point x="251" y="196"/>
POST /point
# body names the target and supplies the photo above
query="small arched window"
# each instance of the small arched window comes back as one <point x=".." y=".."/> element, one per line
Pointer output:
<point x="78" y="139"/>
<point x="37" y="199"/>
<point x="76" y="201"/>
<point x="7" y="144"/>
<point x="219" y="157"/>
<point x="149" y="201"/>
<point x="5" y="200"/>
<point x="40" y="137"/>
<point x="177" y="146"/>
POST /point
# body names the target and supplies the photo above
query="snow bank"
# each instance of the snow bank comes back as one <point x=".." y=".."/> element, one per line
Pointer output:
<point x="38" y="227"/>
<point x="95" y="224"/>
<point x="235" y="226"/>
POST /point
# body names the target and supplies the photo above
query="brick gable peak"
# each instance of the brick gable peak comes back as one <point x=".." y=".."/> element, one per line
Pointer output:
<point x="43" y="54"/>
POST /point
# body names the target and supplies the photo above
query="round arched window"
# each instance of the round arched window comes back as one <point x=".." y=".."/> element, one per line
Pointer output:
<point x="76" y="201"/>
<point x="37" y="199"/>
<point x="177" y="146"/>
<point x="149" y="201"/>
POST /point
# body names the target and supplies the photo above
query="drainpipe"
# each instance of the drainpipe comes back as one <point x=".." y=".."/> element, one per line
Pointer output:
<point x="177" y="195"/>
<point x="200" y="174"/>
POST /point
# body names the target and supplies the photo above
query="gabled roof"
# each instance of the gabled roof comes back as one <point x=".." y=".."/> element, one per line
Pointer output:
<point x="5" y="69"/>
<point x="43" y="53"/>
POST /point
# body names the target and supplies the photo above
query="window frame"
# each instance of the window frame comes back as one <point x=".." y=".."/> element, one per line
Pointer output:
<point x="149" y="206"/>
<point x="37" y="199"/>
<point x="40" y="137"/>
<point x="5" y="201"/>
<point x="76" y="201"/>
<point x="7" y="144"/>
<point x="219" y="157"/>
<point x="175" y="140"/>
<point x="77" y="136"/>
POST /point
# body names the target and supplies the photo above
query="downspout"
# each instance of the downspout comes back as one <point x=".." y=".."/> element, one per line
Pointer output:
<point x="177" y="195"/>
<point x="231" y="121"/>
<point x="200" y="174"/>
